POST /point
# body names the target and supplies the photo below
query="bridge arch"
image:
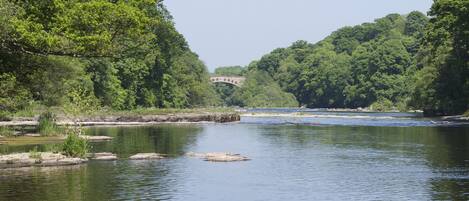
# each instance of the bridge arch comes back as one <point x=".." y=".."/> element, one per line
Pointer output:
<point x="233" y="80"/>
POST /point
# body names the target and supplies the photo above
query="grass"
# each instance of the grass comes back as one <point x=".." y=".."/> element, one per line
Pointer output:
<point x="47" y="125"/>
<point x="6" y="131"/>
<point x="5" y="116"/>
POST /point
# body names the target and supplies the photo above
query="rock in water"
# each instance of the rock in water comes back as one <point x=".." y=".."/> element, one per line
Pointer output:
<point x="146" y="156"/>
<point x="32" y="135"/>
<point x="219" y="156"/>
<point x="43" y="159"/>
<point x="96" y="138"/>
<point x="105" y="156"/>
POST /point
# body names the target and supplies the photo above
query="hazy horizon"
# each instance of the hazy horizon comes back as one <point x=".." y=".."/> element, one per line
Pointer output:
<point x="229" y="33"/>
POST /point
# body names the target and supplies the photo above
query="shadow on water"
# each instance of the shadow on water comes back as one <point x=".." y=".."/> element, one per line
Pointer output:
<point x="164" y="139"/>
<point x="106" y="180"/>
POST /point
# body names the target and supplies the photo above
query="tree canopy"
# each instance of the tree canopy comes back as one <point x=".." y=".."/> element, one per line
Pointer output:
<point x="123" y="53"/>
<point x="358" y="66"/>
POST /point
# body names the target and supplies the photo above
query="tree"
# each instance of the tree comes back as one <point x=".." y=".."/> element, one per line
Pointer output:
<point x="445" y="59"/>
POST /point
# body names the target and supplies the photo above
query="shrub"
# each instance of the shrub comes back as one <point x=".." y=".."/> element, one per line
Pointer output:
<point x="47" y="124"/>
<point x="382" y="105"/>
<point x="74" y="145"/>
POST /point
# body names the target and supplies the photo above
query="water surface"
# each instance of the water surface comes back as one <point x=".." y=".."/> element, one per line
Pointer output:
<point x="319" y="158"/>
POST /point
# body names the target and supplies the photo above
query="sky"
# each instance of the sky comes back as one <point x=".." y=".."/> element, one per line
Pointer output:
<point x="236" y="32"/>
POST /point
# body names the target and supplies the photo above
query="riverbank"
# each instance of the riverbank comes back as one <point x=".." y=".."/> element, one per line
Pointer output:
<point x="132" y="119"/>
<point x="460" y="118"/>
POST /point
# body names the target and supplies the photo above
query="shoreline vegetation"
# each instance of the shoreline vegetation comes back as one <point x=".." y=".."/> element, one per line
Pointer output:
<point x="44" y="126"/>
<point x="414" y="61"/>
<point x="411" y="61"/>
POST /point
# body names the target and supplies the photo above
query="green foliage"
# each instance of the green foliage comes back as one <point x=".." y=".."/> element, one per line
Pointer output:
<point x="74" y="145"/>
<point x="325" y="78"/>
<point x="225" y="92"/>
<point x="116" y="54"/>
<point x="382" y="105"/>
<point x="5" y="116"/>
<point x="353" y="67"/>
<point x="6" y="131"/>
<point x="442" y="86"/>
<point x="12" y="95"/>
<point x="47" y="124"/>
<point x="260" y="90"/>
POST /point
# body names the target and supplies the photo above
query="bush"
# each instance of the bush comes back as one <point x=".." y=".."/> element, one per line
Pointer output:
<point x="382" y="105"/>
<point x="74" y="145"/>
<point x="47" y="124"/>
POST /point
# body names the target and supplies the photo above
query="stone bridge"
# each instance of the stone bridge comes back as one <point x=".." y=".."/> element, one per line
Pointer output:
<point x="237" y="81"/>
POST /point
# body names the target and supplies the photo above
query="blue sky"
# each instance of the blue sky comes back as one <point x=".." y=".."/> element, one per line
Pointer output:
<point x="236" y="32"/>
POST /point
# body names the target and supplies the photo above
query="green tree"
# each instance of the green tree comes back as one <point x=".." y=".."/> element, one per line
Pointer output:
<point x="260" y="90"/>
<point x="443" y="85"/>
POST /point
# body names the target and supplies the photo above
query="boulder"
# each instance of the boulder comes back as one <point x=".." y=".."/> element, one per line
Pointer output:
<point x="146" y="156"/>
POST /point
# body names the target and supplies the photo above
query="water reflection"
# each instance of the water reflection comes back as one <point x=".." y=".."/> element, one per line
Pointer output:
<point x="298" y="162"/>
<point x="165" y="139"/>
<point x="436" y="157"/>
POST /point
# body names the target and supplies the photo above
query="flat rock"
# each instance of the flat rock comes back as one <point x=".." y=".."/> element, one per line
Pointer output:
<point x="105" y="156"/>
<point x="45" y="159"/>
<point x="146" y="156"/>
<point x="219" y="156"/>
<point x="32" y="135"/>
<point x="96" y="138"/>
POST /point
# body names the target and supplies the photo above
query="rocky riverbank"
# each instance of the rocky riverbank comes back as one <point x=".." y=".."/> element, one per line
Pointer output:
<point x="459" y="118"/>
<point x="133" y="119"/>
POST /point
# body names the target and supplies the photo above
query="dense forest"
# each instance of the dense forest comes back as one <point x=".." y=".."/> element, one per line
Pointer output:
<point x="398" y="62"/>
<point x="116" y="54"/>
<point x="127" y="54"/>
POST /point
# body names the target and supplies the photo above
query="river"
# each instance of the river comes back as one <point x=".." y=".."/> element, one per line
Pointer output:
<point x="312" y="155"/>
